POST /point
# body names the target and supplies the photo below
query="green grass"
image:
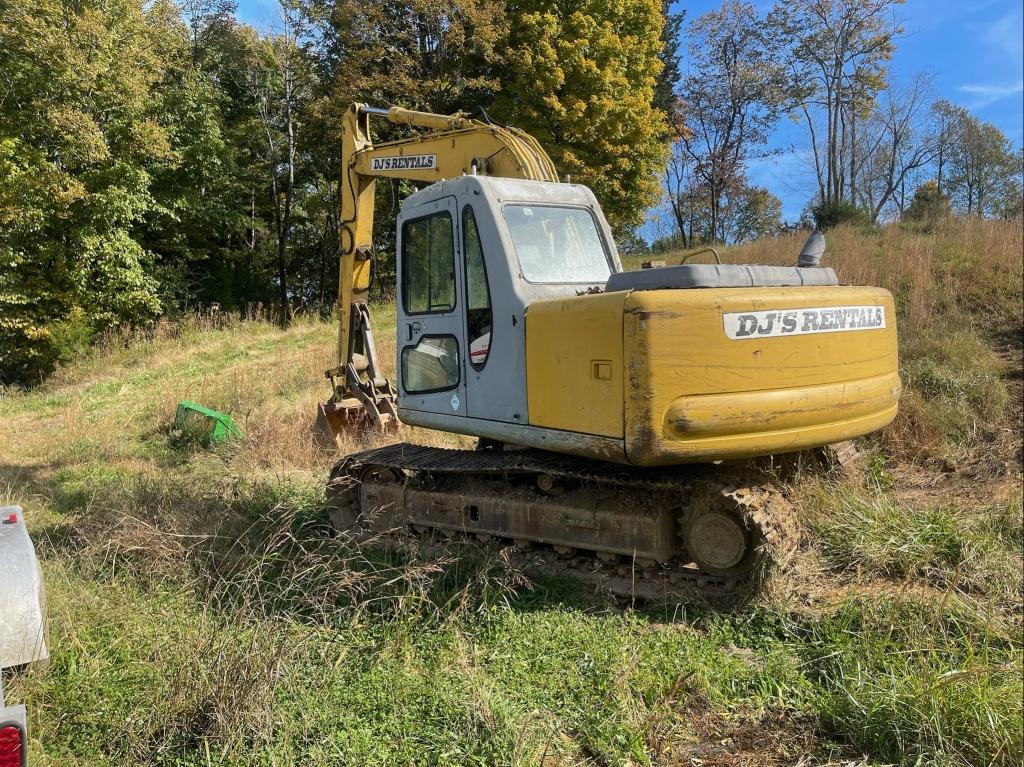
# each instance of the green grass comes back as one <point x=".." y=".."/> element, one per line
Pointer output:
<point x="909" y="683"/>
<point x="155" y="676"/>
<point x="200" y="612"/>
<point x="975" y="551"/>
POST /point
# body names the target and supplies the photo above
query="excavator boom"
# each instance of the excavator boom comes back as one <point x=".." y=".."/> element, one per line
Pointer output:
<point x="451" y="146"/>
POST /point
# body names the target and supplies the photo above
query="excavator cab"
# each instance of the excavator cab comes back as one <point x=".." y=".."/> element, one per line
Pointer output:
<point x="473" y="254"/>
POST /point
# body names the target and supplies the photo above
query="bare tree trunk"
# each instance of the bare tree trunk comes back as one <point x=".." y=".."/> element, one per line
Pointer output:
<point x="843" y="153"/>
<point x="289" y="196"/>
<point x="833" y="141"/>
<point x="814" y="150"/>
<point x="279" y="218"/>
<point x="677" y="212"/>
<point x="853" y="153"/>
<point x="713" y="227"/>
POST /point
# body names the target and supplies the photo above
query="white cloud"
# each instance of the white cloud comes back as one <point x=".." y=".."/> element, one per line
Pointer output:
<point x="988" y="93"/>
<point x="1007" y="34"/>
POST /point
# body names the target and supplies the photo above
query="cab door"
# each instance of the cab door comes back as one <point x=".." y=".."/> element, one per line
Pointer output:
<point x="431" y="348"/>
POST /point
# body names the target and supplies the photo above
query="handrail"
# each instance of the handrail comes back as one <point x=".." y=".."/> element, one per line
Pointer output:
<point x="718" y="259"/>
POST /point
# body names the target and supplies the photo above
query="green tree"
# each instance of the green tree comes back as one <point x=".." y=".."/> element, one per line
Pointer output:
<point x="744" y="213"/>
<point x="978" y="166"/>
<point x="280" y="80"/>
<point x="236" y="103"/>
<point x="581" y="78"/>
<point x="928" y="203"/>
<point x="435" y="55"/>
<point x="665" y="97"/>
<point x="79" y="138"/>
<point x="948" y="121"/>
<point x="201" y="223"/>
<point x="826" y="215"/>
<point x="750" y="212"/>
<point x="1009" y="192"/>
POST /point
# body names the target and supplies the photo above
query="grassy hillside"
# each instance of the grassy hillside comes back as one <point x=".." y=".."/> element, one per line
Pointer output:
<point x="200" y="614"/>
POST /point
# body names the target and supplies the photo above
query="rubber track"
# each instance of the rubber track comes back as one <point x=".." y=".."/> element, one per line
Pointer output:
<point x="764" y="507"/>
<point x="455" y="461"/>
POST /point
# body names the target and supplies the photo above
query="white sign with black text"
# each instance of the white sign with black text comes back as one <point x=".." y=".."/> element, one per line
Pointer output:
<point x="405" y="162"/>
<point x="794" y="322"/>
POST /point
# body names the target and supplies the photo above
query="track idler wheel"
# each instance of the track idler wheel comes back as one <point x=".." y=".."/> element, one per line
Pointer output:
<point x="343" y="492"/>
<point x="719" y="537"/>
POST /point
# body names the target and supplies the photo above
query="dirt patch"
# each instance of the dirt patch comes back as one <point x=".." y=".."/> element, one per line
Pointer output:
<point x="708" y="738"/>
<point x="826" y="595"/>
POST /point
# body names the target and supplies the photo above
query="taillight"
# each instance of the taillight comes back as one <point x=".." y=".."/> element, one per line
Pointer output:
<point x="12" y="745"/>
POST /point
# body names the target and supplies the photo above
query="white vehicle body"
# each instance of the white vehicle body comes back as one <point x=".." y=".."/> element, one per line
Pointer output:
<point x="22" y="617"/>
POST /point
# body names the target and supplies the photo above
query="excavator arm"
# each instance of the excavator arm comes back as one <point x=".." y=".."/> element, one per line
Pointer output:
<point x="449" y="146"/>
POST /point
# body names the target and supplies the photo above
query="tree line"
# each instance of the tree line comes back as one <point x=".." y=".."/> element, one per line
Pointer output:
<point x="159" y="156"/>
<point x="875" y="145"/>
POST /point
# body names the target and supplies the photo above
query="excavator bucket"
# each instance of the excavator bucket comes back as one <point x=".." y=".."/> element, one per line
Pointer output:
<point x="335" y="420"/>
<point x="326" y="430"/>
<point x="367" y="407"/>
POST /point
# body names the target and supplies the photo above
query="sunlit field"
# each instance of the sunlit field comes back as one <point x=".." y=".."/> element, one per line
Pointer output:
<point x="201" y="613"/>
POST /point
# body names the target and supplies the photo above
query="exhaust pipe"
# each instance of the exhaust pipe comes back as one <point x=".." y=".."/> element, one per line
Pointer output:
<point x="812" y="251"/>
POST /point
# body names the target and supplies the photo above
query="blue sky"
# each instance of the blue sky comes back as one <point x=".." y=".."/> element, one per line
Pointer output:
<point x="974" y="49"/>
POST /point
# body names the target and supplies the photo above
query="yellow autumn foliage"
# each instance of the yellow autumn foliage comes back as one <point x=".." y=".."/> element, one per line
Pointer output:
<point x="581" y="79"/>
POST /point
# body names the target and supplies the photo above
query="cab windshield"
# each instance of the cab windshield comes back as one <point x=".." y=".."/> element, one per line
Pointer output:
<point x="557" y="244"/>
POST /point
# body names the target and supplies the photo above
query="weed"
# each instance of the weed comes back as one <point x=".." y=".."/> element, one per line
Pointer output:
<point x="877" y="472"/>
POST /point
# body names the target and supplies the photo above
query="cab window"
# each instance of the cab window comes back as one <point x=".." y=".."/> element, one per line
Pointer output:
<point x="478" y="294"/>
<point x="431" y="365"/>
<point x="557" y="244"/>
<point x="428" y="265"/>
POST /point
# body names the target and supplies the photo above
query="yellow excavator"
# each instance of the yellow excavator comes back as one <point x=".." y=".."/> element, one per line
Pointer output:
<point x="616" y="411"/>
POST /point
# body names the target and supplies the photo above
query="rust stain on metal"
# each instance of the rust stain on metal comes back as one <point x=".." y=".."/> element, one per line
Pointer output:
<point x="645" y="315"/>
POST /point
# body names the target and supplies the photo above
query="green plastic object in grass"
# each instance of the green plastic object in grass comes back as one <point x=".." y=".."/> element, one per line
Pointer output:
<point x="210" y="424"/>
